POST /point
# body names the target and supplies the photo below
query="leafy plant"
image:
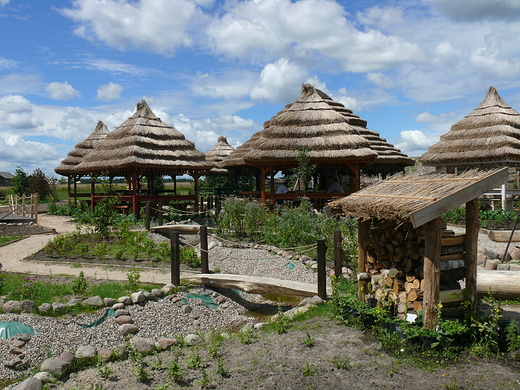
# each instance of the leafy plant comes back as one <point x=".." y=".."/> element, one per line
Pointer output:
<point x="104" y="371"/>
<point x="309" y="370"/>
<point x="134" y="277"/>
<point x="194" y="361"/>
<point x="342" y="362"/>
<point x="308" y="340"/>
<point x="79" y="285"/>
<point x="246" y="336"/>
<point x="174" y="370"/>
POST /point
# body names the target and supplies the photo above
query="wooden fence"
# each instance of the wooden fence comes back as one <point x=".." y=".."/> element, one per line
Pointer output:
<point x="25" y="205"/>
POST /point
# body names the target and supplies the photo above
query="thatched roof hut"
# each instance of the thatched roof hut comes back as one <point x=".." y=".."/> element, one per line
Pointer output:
<point x="145" y="143"/>
<point x="218" y="153"/>
<point x="488" y="137"/>
<point x="81" y="149"/>
<point x="236" y="158"/>
<point x="310" y="122"/>
<point x="389" y="158"/>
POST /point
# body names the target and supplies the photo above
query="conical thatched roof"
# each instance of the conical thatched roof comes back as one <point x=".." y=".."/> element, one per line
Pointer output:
<point x="81" y="150"/>
<point x="236" y="158"/>
<point x="488" y="137"/>
<point x="389" y="158"/>
<point x="310" y="122"/>
<point x="220" y="151"/>
<point x="144" y="142"/>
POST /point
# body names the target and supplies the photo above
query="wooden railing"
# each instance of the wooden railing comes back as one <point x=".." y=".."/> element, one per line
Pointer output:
<point x="24" y="205"/>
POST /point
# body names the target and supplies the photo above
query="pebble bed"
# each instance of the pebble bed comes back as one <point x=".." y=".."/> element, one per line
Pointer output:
<point x="163" y="318"/>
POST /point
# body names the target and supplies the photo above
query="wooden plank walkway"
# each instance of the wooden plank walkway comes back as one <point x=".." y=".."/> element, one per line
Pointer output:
<point x="256" y="284"/>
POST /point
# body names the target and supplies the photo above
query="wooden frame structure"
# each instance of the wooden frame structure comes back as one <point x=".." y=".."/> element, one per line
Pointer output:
<point x="420" y="199"/>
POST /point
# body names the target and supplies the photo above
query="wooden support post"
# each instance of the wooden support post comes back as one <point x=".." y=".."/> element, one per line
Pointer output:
<point x="363" y="232"/>
<point x="322" y="269"/>
<point x="472" y="229"/>
<point x="337" y="253"/>
<point x="159" y="213"/>
<point x="432" y="272"/>
<point x="175" y="259"/>
<point x="148" y="215"/>
<point x="204" y="266"/>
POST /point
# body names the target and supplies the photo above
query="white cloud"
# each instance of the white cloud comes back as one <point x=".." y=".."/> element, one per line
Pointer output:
<point x="16" y="112"/>
<point x="109" y="91"/>
<point x="381" y="80"/>
<point x="474" y="10"/>
<point x="158" y="26"/>
<point x="18" y="83"/>
<point x="413" y="142"/>
<point x="6" y="64"/>
<point x="4" y="2"/>
<point x="381" y="17"/>
<point x="61" y="91"/>
<point x="115" y="67"/>
<point x="280" y="82"/>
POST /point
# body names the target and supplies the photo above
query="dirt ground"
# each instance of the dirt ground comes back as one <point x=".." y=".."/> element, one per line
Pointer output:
<point x="316" y="354"/>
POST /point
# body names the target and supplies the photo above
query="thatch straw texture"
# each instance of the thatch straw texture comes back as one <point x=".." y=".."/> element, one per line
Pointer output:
<point x="389" y="158"/>
<point x="310" y="122"/>
<point x="144" y="142"/>
<point x="488" y="137"/>
<point x="397" y="197"/>
<point x="220" y="151"/>
<point x="236" y="158"/>
<point x="81" y="149"/>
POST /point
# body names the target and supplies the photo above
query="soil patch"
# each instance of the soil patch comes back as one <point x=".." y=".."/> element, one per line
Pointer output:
<point x="22" y="230"/>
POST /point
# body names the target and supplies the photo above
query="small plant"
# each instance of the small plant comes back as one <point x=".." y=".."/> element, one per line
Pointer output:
<point x="342" y="362"/>
<point x="246" y="336"/>
<point x="156" y="363"/>
<point x="452" y="386"/>
<point x="308" y="340"/>
<point x="79" y="285"/>
<point x="203" y="381"/>
<point x="140" y="373"/>
<point x="215" y="341"/>
<point x="194" y="361"/>
<point x="309" y="370"/>
<point x="281" y="323"/>
<point x="134" y="278"/>
<point x="220" y="368"/>
<point x="104" y="371"/>
<point x="174" y="370"/>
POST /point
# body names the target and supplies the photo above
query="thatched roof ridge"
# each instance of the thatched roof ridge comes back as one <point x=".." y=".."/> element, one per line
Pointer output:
<point x="236" y="158"/>
<point x="397" y="197"/>
<point x="76" y="156"/>
<point x="489" y="136"/>
<point x="145" y="142"/>
<point x="217" y="154"/>
<point x="310" y="122"/>
<point x="387" y="154"/>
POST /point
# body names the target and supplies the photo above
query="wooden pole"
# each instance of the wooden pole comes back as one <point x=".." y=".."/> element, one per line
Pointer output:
<point x="432" y="272"/>
<point x="175" y="259"/>
<point x="337" y="253"/>
<point x="363" y="232"/>
<point x="148" y="215"/>
<point x="204" y="266"/>
<point x="472" y="229"/>
<point x="159" y="213"/>
<point x="322" y="269"/>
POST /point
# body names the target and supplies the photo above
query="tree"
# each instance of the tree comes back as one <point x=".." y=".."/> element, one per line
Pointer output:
<point x="21" y="182"/>
<point x="305" y="169"/>
<point x="40" y="184"/>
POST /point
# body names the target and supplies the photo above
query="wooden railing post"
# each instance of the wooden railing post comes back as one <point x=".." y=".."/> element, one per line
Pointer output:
<point x="337" y="253"/>
<point x="175" y="259"/>
<point x="322" y="269"/>
<point x="204" y="266"/>
<point x="148" y="216"/>
<point x="159" y="213"/>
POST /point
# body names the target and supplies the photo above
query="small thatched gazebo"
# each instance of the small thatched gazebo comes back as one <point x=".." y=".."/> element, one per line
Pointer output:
<point x="401" y="244"/>
<point x="76" y="156"/>
<point x="488" y="137"/>
<point x="145" y="146"/>
<point x="389" y="159"/>
<point x="310" y="123"/>
<point x="218" y="153"/>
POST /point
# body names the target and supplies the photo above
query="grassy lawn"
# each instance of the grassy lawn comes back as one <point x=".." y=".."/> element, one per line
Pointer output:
<point x="6" y="239"/>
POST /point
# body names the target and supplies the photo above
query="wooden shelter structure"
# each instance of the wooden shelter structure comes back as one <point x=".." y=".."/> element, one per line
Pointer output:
<point x="309" y="123"/>
<point x="402" y="248"/>
<point x="389" y="159"/>
<point x="218" y="153"/>
<point x="75" y="157"/>
<point x="144" y="146"/>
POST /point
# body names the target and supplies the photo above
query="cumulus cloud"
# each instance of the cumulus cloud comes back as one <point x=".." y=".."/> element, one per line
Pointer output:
<point x="159" y="26"/>
<point x="381" y="80"/>
<point x="109" y="91"/>
<point x="61" y="91"/>
<point x="16" y="112"/>
<point x="474" y="10"/>
<point x="19" y="83"/>
<point x="16" y="149"/>
<point x="413" y="142"/>
<point x="280" y="82"/>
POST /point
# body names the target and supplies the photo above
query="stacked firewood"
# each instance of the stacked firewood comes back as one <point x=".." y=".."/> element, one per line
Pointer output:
<point x="394" y="268"/>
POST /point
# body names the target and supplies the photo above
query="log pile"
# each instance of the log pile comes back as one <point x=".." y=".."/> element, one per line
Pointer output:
<point x="394" y="267"/>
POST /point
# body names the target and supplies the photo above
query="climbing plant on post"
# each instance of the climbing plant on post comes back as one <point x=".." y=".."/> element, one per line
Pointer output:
<point x="305" y="169"/>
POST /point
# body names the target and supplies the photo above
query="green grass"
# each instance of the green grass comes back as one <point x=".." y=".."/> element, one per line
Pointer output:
<point x="6" y="239"/>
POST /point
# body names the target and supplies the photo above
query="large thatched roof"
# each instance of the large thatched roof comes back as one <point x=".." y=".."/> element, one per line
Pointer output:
<point x="310" y="122"/>
<point x="220" y="151"/>
<point x="417" y="197"/>
<point x="76" y="156"/>
<point x="389" y="158"/>
<point x="145" y="143"/>
<point x="488" y="137"/>
<point x="236" y="158"/>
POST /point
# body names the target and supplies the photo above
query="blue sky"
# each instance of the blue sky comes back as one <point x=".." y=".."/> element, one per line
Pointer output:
<point x="411" y="68"/>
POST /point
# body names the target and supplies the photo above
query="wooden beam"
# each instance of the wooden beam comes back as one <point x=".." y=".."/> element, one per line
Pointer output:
<point x="432" y="272"/>
<point x="363" y="232"/>
<point x="432" y="211"/>
<point x="471" y="244"/>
